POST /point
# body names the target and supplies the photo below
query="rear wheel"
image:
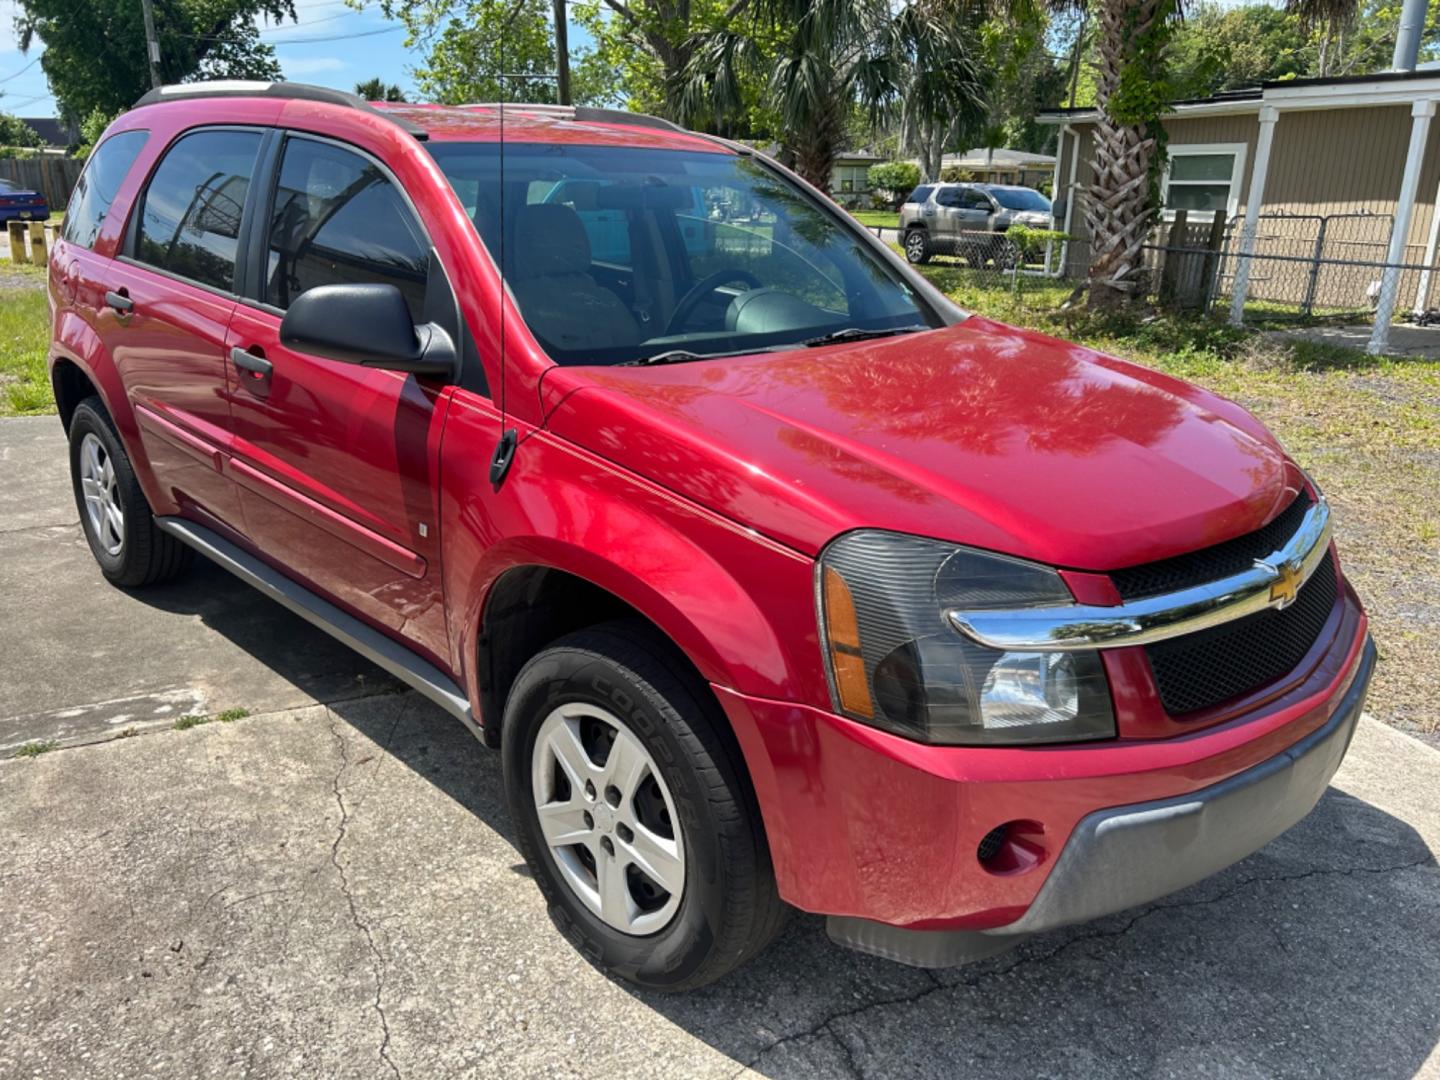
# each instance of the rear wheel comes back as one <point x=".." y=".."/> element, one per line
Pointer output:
<point x="631" y="809"/>
<point x="114" y="513"/>
<point x="917" y="246"/>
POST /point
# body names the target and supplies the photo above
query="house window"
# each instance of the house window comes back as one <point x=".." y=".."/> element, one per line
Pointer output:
<point x="1204" y="179"/>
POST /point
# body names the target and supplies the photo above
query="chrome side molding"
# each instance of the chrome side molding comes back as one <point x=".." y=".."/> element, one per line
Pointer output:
<point x="1272" y="582"/>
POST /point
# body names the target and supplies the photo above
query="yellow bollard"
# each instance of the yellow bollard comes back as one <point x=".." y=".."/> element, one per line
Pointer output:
<point x="19" y="253"/>
<point x="37" y="243"/>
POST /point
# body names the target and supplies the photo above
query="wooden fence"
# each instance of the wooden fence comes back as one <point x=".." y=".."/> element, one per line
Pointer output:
<point x="50" y="174"/>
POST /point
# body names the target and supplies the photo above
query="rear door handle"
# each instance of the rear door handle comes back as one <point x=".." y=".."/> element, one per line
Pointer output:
<point x="246" y="361"/>
<point x="120" y="302"/>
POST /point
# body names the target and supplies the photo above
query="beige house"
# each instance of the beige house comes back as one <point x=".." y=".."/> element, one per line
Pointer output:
<point x="1000" y="166"/>
<point x="1329" y="186"/>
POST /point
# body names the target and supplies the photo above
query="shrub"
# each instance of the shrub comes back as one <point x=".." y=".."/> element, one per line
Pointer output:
<point x="14" y="132"/>
<point x="895" y="179"/>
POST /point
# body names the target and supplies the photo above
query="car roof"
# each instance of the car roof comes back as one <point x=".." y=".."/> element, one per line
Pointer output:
<point x="485" y="122"/>
<point x="545" y="123"/>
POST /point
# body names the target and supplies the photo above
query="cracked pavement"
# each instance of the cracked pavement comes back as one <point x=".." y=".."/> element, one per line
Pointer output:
<point x="332" y="891"/>
<point x="328" y="888"/>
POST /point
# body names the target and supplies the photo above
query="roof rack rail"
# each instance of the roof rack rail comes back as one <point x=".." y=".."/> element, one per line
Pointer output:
<point x="288" y="91"/>
<point x="585" y="114"/>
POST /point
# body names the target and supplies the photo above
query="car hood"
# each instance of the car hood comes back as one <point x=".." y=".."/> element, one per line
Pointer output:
<point x="978" y="433"/>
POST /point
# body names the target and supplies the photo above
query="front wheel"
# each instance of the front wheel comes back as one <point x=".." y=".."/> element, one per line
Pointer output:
<point x="917" y="247"/>
<point x="631" y="809"/>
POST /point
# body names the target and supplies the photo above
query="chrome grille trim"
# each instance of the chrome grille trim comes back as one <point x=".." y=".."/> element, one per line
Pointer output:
<point x="1159" y="618"/>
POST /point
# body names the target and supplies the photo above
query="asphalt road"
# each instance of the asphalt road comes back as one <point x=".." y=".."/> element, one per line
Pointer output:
<point x="330" y="890"/>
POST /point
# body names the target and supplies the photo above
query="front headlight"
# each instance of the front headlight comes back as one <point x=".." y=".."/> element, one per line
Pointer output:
<point x="895" y="662"/>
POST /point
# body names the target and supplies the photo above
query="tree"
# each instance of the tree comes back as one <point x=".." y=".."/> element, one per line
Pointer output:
<point x="943" y="94"/>
<point x="95" y="49"/>
<point x="469" y="44"/>
<point x="647" y="44"/>
<point x="1220" y="48"/>
<point x="379" y="90"/>
<point x="895" y="179"/>
<point x="14" y="132"/>
<point x="1133" y="88"/>
<point x="818" y="59"/>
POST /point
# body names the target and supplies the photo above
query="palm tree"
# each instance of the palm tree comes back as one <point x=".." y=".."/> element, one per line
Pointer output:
<point x="379" y="90"/>
<point x="1131" y="38"/>
<point x="819" y="59"/>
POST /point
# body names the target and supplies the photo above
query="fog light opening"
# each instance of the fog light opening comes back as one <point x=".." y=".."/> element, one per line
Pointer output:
<point x="1012" y="848"/>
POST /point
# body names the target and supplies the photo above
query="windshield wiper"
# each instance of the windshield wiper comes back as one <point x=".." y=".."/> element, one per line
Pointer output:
<point x="854" y="333"/>
<point x="673" y="356"/>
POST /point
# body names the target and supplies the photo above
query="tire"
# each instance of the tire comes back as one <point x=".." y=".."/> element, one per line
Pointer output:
<point x="917" y="247"/>
<point x="130" y="549"/>
<point x="728" y="909"/>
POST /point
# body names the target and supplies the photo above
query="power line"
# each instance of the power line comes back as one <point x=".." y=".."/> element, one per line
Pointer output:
<point x="296" y="41"/>
<point x="22" y="71"/>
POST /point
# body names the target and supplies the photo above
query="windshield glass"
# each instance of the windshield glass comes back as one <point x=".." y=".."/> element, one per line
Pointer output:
<point x="1021" y="199"/>
<point x="621" y="254"/>
<point x="6" y="187"/>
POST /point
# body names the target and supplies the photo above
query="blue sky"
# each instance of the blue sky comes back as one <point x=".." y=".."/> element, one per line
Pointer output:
<point x="359" y="45"/>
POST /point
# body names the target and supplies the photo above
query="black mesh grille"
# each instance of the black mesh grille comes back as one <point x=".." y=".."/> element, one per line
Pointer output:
<point x="1204" y="669"/>
<point x="990" y="844"/>
<point x="1208" y="564"/>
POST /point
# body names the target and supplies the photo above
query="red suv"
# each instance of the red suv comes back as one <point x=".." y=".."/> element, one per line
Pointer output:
<point x="777" y="579"/>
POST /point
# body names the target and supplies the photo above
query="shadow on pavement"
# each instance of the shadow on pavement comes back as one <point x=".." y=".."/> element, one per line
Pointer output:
<point x="284" y="643"/>
<point x="1317" y="956"/>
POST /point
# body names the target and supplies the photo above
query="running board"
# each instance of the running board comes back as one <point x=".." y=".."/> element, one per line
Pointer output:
<point x="380" y="650"/>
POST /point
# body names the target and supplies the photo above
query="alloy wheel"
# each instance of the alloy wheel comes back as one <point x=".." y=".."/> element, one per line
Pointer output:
<point x="102" y="497"/>
<point x="915" y="247"/>
<point x="608" y="818"/>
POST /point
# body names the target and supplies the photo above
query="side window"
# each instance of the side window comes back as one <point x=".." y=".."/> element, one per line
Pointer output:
<point x="920" y="194"/>
<point x="972" y="199"/>
<point x="98" y="185"/>
<point x="949" y="197"/>
<point x="190" y="213"/>
<point x="338" y="220"/>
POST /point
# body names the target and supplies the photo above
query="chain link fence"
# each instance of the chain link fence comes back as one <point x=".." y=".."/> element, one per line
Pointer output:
<point x="1303" y="268"/>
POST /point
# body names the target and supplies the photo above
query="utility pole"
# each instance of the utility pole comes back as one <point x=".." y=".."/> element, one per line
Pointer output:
<point x="152" y="44"/>
<point x="562" y="54"/>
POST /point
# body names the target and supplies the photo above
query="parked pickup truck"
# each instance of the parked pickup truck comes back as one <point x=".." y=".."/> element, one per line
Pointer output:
<point x="777" y="580"/>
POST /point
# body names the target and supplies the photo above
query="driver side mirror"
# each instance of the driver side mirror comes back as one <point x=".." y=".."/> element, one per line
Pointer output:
<point x="369" y="325"/>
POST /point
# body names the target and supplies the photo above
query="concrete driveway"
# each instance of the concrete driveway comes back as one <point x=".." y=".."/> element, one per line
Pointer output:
<point x="330" y="890"/>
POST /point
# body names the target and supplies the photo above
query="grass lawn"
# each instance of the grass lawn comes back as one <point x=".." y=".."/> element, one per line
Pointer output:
<point x="1367" y="429"/>
<point x="24" y="383"/>
<point x="886" y="219"/>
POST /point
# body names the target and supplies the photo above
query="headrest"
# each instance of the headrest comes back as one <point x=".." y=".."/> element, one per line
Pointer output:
<point x="548" y="239"/>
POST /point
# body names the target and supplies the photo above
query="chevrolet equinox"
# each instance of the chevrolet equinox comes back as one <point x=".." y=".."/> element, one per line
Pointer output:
<point x="777" y="580"/>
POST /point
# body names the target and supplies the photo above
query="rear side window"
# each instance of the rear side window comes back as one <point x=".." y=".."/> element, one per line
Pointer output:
<point x="337" y="219"/>
<point x="921" y="193"/>
<point x="98" y="185"/>
<point x="190" y="217"/>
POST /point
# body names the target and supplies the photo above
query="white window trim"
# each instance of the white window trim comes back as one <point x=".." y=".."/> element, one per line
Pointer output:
<point x="1237" y="174"/>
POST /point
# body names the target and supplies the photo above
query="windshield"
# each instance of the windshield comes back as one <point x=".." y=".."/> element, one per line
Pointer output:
<point x="6" y="187"/>
<point x="1021" y="199"/>
<point x="623" y="254"/>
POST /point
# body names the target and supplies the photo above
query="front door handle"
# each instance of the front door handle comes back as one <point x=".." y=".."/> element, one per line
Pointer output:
<point x="120" y="302"/>
<point x="258" y="366"/>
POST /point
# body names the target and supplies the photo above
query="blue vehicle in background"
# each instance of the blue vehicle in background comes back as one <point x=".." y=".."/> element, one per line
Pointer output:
<point x="20" y="204"/>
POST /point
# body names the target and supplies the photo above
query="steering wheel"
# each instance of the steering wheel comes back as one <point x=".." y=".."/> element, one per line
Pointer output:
<point x="703" y="288"/>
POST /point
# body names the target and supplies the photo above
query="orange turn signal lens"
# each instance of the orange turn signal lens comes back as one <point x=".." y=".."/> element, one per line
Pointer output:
<point x="846" y="660"/>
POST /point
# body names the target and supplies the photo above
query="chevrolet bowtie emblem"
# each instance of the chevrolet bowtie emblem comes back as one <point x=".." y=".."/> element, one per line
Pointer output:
<point x="1286" y="586"/>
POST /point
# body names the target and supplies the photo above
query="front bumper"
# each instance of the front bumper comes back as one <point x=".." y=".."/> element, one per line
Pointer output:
<point x="872" y="828"/>
<point x="1129" y="855"/>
